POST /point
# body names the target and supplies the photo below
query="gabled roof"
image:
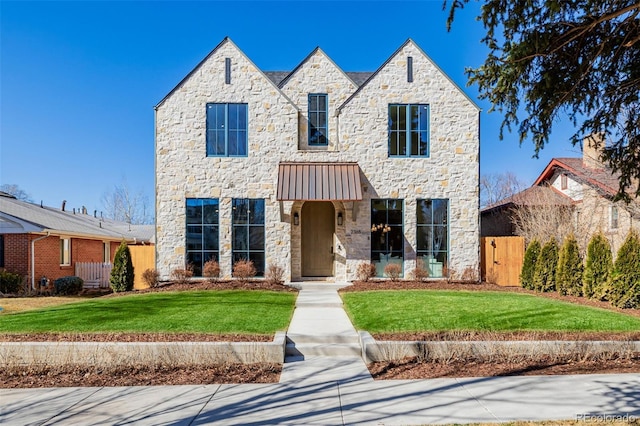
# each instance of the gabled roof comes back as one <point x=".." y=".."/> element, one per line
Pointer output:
<point x="372" y="76"/>
<point x="531" y="197"/>
<point x="21" y="217"/>
<point x="206" y="58"/>
<point x="305" y="60"/>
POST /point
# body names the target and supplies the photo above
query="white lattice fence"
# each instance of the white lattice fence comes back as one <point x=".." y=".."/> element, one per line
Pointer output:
<point x="94" y="275"/>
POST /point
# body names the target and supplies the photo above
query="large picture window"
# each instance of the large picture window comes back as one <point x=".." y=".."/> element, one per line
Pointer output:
<point x="202" y="232"/>
<point x="433" y="235"/>
<point x="387" y="234"/>
<point x="227" y="130"/>
<point x="249" y="232"/>
<point x="408" y="130"/>
<point x="318" y="112"/>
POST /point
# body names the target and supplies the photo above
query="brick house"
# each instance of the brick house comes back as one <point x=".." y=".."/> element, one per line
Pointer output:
<point x="585" y="184"/>
<point x="38" y="241"/>
<point x="317" y="169"/>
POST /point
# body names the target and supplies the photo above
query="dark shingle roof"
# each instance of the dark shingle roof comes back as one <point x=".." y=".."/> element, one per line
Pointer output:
<point x="530" y="197"/>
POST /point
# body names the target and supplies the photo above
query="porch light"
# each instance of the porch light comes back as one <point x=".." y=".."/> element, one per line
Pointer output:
<point x="339" y="218"/>
<point x="296" y="219"/>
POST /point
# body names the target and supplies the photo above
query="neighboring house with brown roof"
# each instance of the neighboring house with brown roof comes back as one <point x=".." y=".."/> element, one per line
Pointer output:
<point x="316" y="169"/>
<point x="586" y="184"/>
<point x="38" y="241"/>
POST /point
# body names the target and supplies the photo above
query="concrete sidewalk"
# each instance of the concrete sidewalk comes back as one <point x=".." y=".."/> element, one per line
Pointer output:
<point x="324" y="382"/>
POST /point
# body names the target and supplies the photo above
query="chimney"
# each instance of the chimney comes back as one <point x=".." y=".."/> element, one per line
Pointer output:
<point x="64" y="203"/>
<point x="84" y="210"/>
<point x="592" y="147"/>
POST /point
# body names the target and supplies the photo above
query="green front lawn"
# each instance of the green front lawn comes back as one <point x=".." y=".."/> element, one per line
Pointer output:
<point x="243" y="312"/>
<point x="440" y="310"/>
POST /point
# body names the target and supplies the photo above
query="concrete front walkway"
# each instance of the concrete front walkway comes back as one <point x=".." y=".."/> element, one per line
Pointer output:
<point x="324" y="383"/>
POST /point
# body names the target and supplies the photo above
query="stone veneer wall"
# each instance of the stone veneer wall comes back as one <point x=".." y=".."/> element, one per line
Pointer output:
<point x="358" y="133"/>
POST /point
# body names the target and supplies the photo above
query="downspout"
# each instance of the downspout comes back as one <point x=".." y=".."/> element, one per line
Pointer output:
<point x="33" y="260"/>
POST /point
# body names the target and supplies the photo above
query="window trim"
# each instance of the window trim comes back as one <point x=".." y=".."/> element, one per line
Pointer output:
<point x="202" y="225"/>
<point x="249" y="225"/>
<point x="317" y="111"/>
<point x="408" y="131"/>
<point x="448" y="223"/>
<point x="65" y="252"/>
<point x="226" y="129"/>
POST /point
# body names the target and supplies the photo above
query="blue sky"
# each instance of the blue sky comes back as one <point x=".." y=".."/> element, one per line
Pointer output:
<point x="79" y="79"/>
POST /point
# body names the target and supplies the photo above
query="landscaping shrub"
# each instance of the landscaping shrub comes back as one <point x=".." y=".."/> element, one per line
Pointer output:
<point x="420" y="273"/>
<point x="529" y="264"/>
<point x="243" y="269"/>
<point x="624" y="291"/>
<point x="211" y="270"/>
<point x="274" y="274"/>
<point x="393" y="271"/>
<point x="68" y="286"/>
<point x="181" y="276"/>
<point x="544" y="275"/>
<point x="569" y="271"/>
<point x="10" y="282"/>
<point x="365" y="271"/>
<point x="122" y="271"/>
<point x="598" y="268"/>
<point x="151" y="277"/>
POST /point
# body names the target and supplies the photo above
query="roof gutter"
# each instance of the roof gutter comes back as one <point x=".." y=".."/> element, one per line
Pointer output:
<point x="33" y="260"/>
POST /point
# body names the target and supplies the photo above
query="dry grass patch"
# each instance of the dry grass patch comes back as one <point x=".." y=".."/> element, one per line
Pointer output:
<point x="20" y="304"/>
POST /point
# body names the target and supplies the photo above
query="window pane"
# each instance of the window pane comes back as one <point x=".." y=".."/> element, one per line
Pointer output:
<point x="195" y="259"/>
<point x="210" y="212"/>
<point x="393" y="143"/>
<point x="402" y="143"/>
<point x="424" y="238"/>
<point x="240" y="211"/>
<point x="415" y="117"/>
<point x="257" y="212"/>
<point x="256" y="238"/>
<point x="233" y="143"/>
<point x="402" y="117"/>
<point x="240" y="238"/>
<point x="440" y="212"/>
<point x="415" y="143"/>
<point x="258" y="262"/>
<point x="424" y="117"/>
<point x="210" y="237"/>
<point x="194" y="238"/>
<point x="440" y="238"/>
<point x="242" y="117"/>
<point x="194" y="210"/>
<point x="322" y="102"/>
<point x="424" y="211"/>
<point x="395" y="239"/>
<point x="395" y="212"/>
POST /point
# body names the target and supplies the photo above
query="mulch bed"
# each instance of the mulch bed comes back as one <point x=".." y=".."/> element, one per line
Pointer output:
<point x="409" y="368"/>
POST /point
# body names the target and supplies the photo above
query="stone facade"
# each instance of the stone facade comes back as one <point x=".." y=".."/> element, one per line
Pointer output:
<point x="277" y="132"/>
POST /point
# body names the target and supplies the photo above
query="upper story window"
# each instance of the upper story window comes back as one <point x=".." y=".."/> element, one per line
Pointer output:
<point x="227" y="130"/>
<point x="408" y="130"/>
<point x="318" y="112"/>
<point x="563" y="181"/>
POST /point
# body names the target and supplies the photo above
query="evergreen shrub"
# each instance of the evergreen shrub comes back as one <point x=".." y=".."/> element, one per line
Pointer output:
<point x="529" y="264"/>
<point x="544" y="276"/>
<point x="598" y="268"/>
<point x="570" y="269"/>
<point x="624" y="291"/>
<point x="122" y="272"/>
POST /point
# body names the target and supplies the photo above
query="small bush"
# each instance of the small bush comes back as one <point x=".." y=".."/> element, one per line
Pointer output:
<point x="365" y="271"/>
<point x="393" y="271"/>
<point x="544" y="276"/>
<point x="569" y="271"/>
<point x="122" y="272"/>
<point x="68" y="286"/>
<point x="598" y="268"/>
<point x="181" y="276"/>
<point x="151" y="277"/>
<point x="420" y="273"/>
<point x="529" y="264"/>
<point x="10" y="282"/>
<point x="625" y="283"/>
<point x="275" y="274"/>
<point x="211" y="270"/>
<point x="243" y="270"/>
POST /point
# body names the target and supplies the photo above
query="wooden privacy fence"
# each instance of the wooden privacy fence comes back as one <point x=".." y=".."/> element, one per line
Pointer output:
<point x="143" y="258"/>
<point x="94" y="275"/>
<point x="501" y="260"/>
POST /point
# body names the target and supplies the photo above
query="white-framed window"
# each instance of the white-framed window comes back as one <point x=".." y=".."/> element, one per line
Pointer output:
<point x="106" y="252"/>
<point x="65" y="251"/>
<point x="613" y="217"/>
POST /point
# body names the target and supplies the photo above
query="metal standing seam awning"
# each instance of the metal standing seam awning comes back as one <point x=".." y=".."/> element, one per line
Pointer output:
<point x="319" y="182"/>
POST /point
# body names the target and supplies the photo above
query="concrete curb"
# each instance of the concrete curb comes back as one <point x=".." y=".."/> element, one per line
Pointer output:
<point x="127" y="353"/>
<point x="373" y="350"/>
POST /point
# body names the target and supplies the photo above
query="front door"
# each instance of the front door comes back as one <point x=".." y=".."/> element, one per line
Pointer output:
<point x="317" y="238"/>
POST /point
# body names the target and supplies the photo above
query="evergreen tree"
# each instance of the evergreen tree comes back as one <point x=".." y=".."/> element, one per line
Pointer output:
<point x="625" y="284"/>
<point x="569" y="272"/>
<point x="529" y="264"/>
<point x="544" y="276"/>
<point x="122" y="272"/>
<point x="598" y="268"/>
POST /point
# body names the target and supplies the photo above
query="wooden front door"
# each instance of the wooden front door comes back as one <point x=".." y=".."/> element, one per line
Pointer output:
<point x="317" y="238"/>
